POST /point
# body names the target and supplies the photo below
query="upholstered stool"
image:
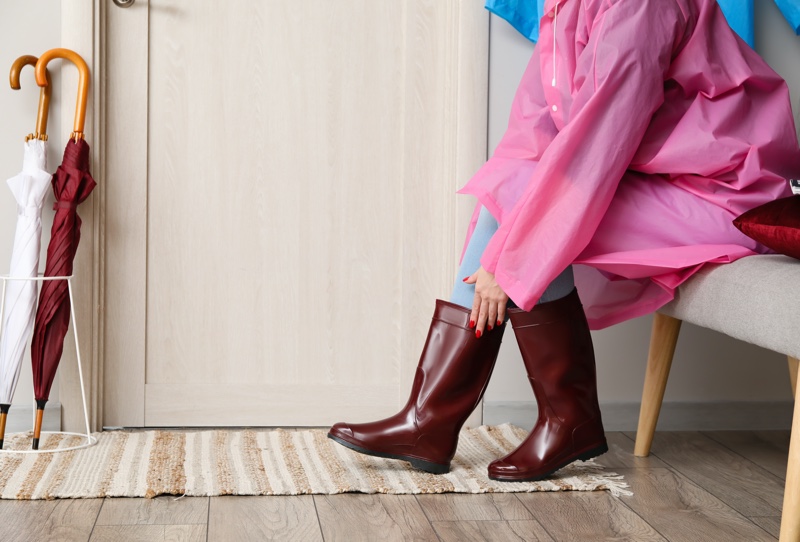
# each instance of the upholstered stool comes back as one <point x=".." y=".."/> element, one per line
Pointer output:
<point x="755" y="299"/>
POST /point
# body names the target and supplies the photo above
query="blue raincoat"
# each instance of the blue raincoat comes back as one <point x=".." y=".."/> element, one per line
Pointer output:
<point x="791" y="9"/>
<point x="524" y="15"/>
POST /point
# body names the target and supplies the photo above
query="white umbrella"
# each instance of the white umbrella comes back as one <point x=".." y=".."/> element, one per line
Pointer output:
<point x="18" y="308"/>
<point x="29" y="189"/>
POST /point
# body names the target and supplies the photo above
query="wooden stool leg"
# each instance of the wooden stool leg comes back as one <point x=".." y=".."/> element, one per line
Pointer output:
<point x="790" y="520"/>
<point x="663" y="339"/>
<point x="793" y="362"/>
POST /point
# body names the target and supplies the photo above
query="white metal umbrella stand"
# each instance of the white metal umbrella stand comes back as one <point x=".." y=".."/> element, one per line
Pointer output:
<point x="90" y="440"/>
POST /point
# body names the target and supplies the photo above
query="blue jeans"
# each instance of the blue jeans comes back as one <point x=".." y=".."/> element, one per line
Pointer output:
<point x="464" y="294"/>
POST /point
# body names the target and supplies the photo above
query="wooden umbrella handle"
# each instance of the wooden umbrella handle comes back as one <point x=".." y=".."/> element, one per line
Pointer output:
<point x="83" y="83"/>
<point x="44" y="94"/>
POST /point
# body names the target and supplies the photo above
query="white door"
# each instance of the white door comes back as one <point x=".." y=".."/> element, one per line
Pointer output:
<point x="280" y="207"/>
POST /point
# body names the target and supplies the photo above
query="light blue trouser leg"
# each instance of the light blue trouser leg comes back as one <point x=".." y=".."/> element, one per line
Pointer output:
<point x="464" y="294"/>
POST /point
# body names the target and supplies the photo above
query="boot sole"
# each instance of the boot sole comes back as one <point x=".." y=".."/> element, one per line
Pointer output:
<point x="585" y="456"/>
<point x="421" y="464"/>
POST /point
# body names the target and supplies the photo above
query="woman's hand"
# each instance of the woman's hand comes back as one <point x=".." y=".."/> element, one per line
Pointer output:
<point x="489" y="306"/>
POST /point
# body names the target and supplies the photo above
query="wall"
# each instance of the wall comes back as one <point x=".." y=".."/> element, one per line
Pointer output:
<point x="739" y="380"/>
<point x="24" y="30"/>
<point x="708" y="367"/>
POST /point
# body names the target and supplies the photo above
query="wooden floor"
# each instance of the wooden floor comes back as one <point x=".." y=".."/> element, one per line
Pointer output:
<point x="697" y="487"/>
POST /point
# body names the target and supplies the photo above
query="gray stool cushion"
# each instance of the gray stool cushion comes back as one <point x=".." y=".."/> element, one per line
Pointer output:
<point x="755" y="299"/>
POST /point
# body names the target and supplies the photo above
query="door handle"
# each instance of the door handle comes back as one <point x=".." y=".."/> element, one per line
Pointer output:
<point x="124" y="3"/>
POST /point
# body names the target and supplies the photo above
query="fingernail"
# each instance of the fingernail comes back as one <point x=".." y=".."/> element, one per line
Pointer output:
<point x="490" y="328"/>
<point x="471" y="324"/>
<point x="466" y="279"/>
<point x="478" y="334"/>
<point x="499" y="323"/>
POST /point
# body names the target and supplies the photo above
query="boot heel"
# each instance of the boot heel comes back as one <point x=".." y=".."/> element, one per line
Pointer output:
<point x="427" y="466"/>
<point x="600" y="450"/>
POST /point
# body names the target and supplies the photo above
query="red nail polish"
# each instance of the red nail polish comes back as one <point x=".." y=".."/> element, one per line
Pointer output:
<point x="478" y="334"/>
<point x="466" y="279"/>
<point x="471" y="324"/>
<point x="499" y="323"/>
<point x="490" y="328"/>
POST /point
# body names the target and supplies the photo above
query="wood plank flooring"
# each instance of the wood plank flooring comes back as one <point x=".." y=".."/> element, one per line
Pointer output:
<point x="696" y="486"/>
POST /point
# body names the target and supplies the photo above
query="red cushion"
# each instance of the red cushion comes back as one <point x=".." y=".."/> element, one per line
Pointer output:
<point x="775" y="224"/>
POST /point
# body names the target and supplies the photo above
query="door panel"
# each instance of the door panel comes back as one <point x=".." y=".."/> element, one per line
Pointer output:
<point x="292" y="198"/>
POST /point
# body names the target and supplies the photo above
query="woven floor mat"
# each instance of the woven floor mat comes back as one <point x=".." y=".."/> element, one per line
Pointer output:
<point x="147" y="463"/>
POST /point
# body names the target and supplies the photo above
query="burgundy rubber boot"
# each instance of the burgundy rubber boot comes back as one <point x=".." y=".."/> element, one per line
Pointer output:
<point x="557" y="350"/>
<point x="452" y="374"/>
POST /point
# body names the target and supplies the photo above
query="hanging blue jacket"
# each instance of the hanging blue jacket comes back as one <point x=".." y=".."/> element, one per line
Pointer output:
<point x="524" y="15"/>
<point x="740" y="16"/>
<point x="791" y="10"/>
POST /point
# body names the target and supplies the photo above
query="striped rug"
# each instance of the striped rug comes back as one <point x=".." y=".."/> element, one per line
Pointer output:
<point x="261" y="462"/>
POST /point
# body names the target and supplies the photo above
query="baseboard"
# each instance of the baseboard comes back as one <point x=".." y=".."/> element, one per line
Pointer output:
<point x="20" y="418"/>
<point x="674" y="416"/>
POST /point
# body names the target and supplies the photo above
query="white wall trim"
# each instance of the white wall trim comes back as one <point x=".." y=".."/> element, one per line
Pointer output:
<point x="20" y="418"/>
<point x="675" y="416"/>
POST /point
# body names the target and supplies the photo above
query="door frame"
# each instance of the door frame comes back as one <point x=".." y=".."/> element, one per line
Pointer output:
<point x="82" y="32"/>
<point x="83" y="27"/>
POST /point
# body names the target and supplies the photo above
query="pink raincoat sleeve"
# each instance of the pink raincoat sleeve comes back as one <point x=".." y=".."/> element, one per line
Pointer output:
<point x="530" y="131"/>
<point x="619" y="84"/>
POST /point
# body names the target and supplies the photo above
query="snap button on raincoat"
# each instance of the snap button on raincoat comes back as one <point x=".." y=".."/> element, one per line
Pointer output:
<point x="639" y="131"/>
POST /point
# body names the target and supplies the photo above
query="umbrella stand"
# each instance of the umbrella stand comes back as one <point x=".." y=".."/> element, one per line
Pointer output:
<point x="90" y="439"/>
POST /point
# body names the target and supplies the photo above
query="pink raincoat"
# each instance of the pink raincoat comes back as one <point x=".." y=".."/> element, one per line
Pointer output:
<point x="640" y="130"/>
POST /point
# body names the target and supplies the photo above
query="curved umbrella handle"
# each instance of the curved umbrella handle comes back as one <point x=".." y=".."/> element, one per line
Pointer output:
<point x="44" y="95"/>
<point x="83" y="83"/>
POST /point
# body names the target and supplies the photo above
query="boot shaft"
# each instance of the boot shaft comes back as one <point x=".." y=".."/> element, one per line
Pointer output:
<point x="454" y="367"/>
<point x="557" y="350"/>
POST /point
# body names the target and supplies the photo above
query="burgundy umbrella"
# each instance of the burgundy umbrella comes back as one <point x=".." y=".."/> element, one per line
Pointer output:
<point x="72" y="184"/>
